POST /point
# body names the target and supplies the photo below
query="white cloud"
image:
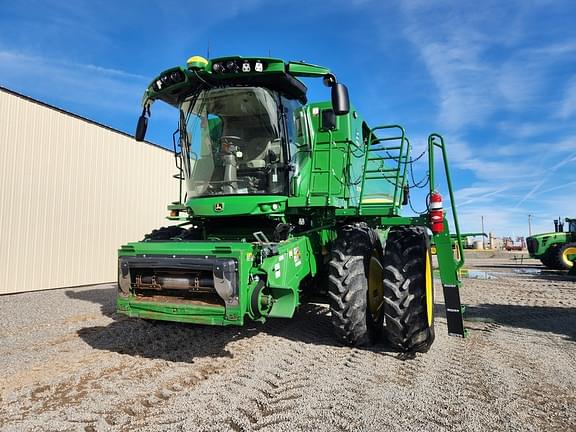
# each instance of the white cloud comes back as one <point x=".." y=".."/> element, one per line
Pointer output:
<point x="523" y="130"/>
<point x="457" y="48"/>
<point x="547" y="175"/>
<point x="567" y="107"/>
<point x="479" y="194"/>
<point x="84" y="84"/>
<point x="494" y="77"/>
<point x="518" y="82"/>
<point x="461" y="79"/>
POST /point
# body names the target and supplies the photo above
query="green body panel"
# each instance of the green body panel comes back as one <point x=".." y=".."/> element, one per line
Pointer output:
<point x="538" y="245"/>
<point x="285" y="271"/>
<point x="306" y="70"/>
<point x="237" y="205"/>
<point x="135" y="308"/>
<point x="341" y="171"/>
<point x="445" y="253"/>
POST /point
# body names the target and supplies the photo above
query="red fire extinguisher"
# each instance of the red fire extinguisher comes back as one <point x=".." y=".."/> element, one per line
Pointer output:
<point x="436" y="213"/>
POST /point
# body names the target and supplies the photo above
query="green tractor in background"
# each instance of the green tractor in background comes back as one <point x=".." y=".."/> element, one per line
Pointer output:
<point x="283" y="200"/>
<point x="556" y="250"/>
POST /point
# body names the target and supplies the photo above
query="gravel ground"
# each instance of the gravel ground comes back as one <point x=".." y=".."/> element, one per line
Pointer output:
<point x="68" y="362"/>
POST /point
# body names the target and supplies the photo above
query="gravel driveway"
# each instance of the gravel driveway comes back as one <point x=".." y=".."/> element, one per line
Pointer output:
<point x="68" y="362"/>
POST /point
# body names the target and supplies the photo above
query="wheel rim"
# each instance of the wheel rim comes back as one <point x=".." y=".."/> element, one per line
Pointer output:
<point x="258" y="307"/>
<point x="375" y="286"/>
<point x="429" y="291"/>
<point x="567" y="254"/>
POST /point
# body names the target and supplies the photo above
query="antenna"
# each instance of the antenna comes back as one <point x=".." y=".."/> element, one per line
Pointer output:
<point x="208" y="50"/>
<point x="269" y="53"/>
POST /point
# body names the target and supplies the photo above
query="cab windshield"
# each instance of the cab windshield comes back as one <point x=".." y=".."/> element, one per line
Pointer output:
<point x="231" y="142"/>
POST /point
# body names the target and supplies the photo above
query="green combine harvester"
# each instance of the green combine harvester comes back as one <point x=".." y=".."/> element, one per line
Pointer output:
<point x="283" y="200"/>
<point x="556" y="250"/>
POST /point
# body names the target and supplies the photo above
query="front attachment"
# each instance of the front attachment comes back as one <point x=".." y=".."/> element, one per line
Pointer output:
<point x="189" y="289"/>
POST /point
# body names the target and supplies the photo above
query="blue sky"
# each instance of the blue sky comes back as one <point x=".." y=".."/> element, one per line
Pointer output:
<point x="496" y="78"/>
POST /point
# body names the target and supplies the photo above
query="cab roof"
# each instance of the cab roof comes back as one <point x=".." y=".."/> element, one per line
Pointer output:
<point x="175" y="84"/>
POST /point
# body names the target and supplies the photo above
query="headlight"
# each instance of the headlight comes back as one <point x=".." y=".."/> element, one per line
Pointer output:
<point x="231" y="66"/>
<point x="171" y="78"/>
<point x="123" y="277"/>
<point x="177" y="76"/>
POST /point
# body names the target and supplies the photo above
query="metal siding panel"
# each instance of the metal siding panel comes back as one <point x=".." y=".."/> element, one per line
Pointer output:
<point x="71" y="192"/>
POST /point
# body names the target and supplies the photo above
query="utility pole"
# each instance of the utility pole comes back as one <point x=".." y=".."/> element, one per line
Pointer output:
<point x="483" y="238"/>
<point x="529" y="225"/>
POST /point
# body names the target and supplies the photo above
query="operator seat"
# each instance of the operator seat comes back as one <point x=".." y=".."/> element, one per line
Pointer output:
<point x="257" y="152"/>
<point x="254" y="153"/>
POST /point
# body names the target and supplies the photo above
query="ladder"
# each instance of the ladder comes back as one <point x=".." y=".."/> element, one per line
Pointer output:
<point x="448" y="264"/>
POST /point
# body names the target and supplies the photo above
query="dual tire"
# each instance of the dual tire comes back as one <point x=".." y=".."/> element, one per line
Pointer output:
<point x="409" y="293"/>
<point x="356" y="255"/>
<point x="375" y="290"/>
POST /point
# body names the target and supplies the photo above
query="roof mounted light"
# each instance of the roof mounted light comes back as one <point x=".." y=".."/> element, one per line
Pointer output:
<point x="232" y="66"/>
<point x="166" y="80"/>
<point x="329" y="80"/>
<point x="157" y="86"/>
<point x="177" y="76"/>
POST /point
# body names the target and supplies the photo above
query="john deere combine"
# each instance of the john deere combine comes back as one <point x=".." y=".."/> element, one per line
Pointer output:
<point x="282" y="199"/>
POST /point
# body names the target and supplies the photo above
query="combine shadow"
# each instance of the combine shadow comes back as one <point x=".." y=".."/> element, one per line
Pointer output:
<point x="557" y="320"/>
<point x="175" y="342"/>
<point x="104" y="296"/>
<point x="312" y="324"/>
<point x="181" y="342"/>
<point x="171" y="341"/>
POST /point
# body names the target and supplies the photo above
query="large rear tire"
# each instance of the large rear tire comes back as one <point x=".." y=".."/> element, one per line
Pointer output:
<point x="173" y="232"/>
<point x="164" y="233"/>
<point x="550" y="258"/>
<point x="560" y="256"/>
<point x="355" y="287"/>
<point x="546" y="260"/>
<point x="408" y="290"/>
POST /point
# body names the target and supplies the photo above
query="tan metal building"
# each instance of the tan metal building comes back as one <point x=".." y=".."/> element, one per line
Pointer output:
<point x="71" y="192"/>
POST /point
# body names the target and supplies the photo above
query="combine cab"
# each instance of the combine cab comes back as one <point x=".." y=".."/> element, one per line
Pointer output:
<point x="282" y="199"/>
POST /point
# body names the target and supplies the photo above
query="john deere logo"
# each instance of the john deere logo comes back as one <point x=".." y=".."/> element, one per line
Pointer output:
<point x="218" y="207"/>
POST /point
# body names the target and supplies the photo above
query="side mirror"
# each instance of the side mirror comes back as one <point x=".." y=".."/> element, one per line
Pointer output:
<point x="141" y="128"/>
<point x="340" y="99"/>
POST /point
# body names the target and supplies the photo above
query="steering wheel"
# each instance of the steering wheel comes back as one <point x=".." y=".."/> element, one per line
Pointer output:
<point x="227" y="146"/>
<point x="224" y="138"/>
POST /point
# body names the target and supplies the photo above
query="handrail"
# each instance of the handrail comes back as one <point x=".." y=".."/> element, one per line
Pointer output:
<point x="330" y="169"/>
<point x="406" y="154"/>
<point x="431" y="144"/>
<point x="402" y="154"/>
